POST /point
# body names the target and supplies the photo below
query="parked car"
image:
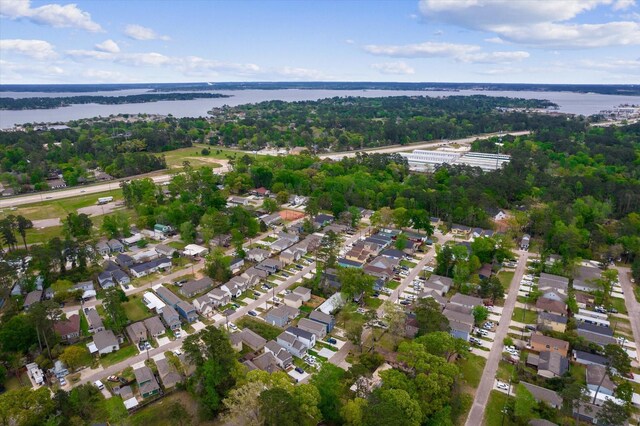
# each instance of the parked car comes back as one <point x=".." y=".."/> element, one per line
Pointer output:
<point x="530" y="327"/>
<point x="502" y="386"/>
<point x="299" y="370"/>
<point x="253" y="313"/>
<point x="112" y="378"/>
<point x="177" y="333"/>
<point x="63" y="382"/>
<point x="332" y="341"/>
<point x="99" y="384"/>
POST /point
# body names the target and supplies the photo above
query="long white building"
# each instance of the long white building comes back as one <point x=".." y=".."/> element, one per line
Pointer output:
<point x="423" y="160"/>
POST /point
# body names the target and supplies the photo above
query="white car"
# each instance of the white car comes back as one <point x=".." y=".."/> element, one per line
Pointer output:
<point x="502" y="386"/>
<point x="177" y="352"/>
<point x="482" y="332"/>
<point x="232" y="326"/>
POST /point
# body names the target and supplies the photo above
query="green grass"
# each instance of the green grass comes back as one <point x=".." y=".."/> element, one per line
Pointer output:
<point x="306" y="309"/>
<point x="178" y="245"/>
<point x="14" y="382"/>
<point x="119" y="356"/>
<point x="265" y="330"/>
<point x="578" y="372"/>
<point x="614" y="302"/>
<point x="636" y="291"/>
<point x="408" y="264"/>
<point x="530" y="316"/>
<point x="194" y="156"/>
<point x="505" y="371"/>
<point x="160" y="413"/>
<point x="393" y="284"/>
<point x="373" y="302"/>
<point x="136" y="310"/>
<point x="471" y="368"/>
<point x="493" y="413"/>
<point x="84" y="325"/>
<point x="115" y="409"/>
<point x="506" y="277"/>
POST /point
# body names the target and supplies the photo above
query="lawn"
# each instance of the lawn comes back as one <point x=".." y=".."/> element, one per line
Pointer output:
<point x="530" y="316"/>
<point x="135" y="309"/>
<point x="119" y="356"/>
<point x="618" y="304"/>
<point x="506" y="278"/>
<point x="578" y="372"/>
<point x="408" y="264"/>
<point x="393" y="284"/>
<point x="84" y="325"/>
<point x="471" y="368"/>
<point x="373" y="302"/>
<point x="14" y="382"/>
<point x="493" y="413"/>
<point x="115" y="409"/>
<point x="636" y="291"/>
<point x="505" y="371"/>
<point x="194" y="155"/>
<point x="159" y="413"/>
<point x="265" y="330"/>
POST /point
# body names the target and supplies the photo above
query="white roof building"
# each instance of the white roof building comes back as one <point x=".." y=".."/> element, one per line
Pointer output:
<point x="153" y="302"/>
<point x="195" y="250"/>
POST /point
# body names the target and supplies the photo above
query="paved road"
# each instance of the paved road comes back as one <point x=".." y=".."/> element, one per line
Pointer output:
<point x="476" y="414"/>
<point x="419" y="145"/>
<point x="633" y="307"/>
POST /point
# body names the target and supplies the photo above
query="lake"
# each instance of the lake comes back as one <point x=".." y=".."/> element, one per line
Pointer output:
<point x="569" y="102"/>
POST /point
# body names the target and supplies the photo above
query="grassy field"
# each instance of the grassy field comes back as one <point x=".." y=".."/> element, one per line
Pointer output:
<point x="14" y="382"/>
<point x="119" y="356"/>
<point x="164" y="412"/>
<point x="506" y="278"/>
<point x="493" y="413"/>
<point x="530" y="316"/>
<point x="618" y="304"/>
<point x="265" y="330"/>
<point x="60" y="208"/>
<point x="471" y="368"/>
<point x="505" y="371"/>
<point x="135" y="309"/>
<point x="194" y="155"/>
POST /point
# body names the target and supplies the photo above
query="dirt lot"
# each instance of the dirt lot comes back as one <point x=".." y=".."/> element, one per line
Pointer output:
<point x="98" y="210"/>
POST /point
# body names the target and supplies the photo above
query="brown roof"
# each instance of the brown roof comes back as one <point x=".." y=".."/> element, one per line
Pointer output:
<point x="69" y="326"/>
<point x="546" y="340"/>
<point x="551" y="306"/>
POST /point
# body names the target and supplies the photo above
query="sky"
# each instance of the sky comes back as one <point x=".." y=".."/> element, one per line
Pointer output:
<point x="497" y="41"/>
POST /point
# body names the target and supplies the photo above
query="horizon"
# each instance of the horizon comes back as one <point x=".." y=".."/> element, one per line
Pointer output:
<point x="492" y="41"/>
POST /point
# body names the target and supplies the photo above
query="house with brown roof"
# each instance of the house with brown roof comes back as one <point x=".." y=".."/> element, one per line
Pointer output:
<point x="549" y="321"/>
<point x="137" y="332"/>
<point x="541" y="343"/>
<point x="68" y="329"/>
<point x="552" y="306"/>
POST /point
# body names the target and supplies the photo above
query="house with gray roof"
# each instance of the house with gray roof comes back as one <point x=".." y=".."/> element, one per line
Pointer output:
<point x="103" y="248"/>
<point x="325" y="319"/>
<point x="550" y="281"/>
<point x="545" y="395"/>
<point x="294" y="346"/>
<point x="599" y="381"/>
<point x="165" y="250"/>
<point x="257" y="254"/>
<point x="549" y="364"/>
<point x="281" y="315"/>
<point x="115" y="246"/>
<point x="187" y="311"/>
<point x="194" y="287"/>
<point x="171" y="317"/>
<point x="252" y="339"/>
<point x="309" y="339"/>
<point x="34" y="296"/>
<point x="466" y="301"/>
<point x="586" y="358"/>
<point x="167" y="296"/>
<point x="266" y="362"/>
<point x="154" y="326"/>
<point x="124" y="260"/>
<point x="147" y="383"/>
<point x="137" y="332"/>
<point x="105" y="342"/>
<point x="168" y="375"/>
<point x="320" y="330"/>
<point x="282" y="356"/>
<point x="94" y="320"/>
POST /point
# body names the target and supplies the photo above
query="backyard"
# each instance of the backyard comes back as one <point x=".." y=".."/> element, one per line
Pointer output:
<point x="119" y="356"/>
<point x="527" y="316"/>
<point x="135" y="309"/>
<point x="265" y="330"/>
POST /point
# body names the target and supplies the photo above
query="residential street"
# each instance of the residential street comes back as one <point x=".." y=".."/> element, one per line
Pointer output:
<point x="633" y="307"/>
<point x="476" y="414"/>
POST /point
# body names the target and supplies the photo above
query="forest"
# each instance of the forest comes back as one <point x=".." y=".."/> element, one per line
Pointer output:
<point x="58" y="102"/>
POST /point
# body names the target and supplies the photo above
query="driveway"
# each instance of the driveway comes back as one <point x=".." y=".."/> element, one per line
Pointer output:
<point x="487" y="383"/>
<point x="632" y="305"/>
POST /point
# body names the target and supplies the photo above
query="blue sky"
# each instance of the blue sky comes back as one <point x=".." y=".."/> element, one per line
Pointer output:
<point x="528" y="41"/>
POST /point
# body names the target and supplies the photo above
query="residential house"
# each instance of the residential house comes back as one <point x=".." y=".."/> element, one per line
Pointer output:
<point x="204" y="305"/>
<point x="325" y="319"/>
<point x="541" y="394"/>
<point x="105" y="342"/>
<point x="221" y="240"/>
<point x="333" y="303"/>
<point x="260" y="192"/>
<point x="293" y="300"/>
<point x="596" y="337"/>
<point x="167" y="296"/>
<point x="238" y="201"/>
<point x="103" y="248"/>
<point x="460" y="230"/>
<point x="549" y="321"/>
<point x="236" y="264"/>
<point x="554" y="295"/>
<point x="588" y="413"/>
<point x="466" y="301"/>
<point x="68" y="329"/>
<point x="549" y="364"/>
<point x="411" y="327"/>
<point x="168" y="375"/>
<point x="552" y="306"/>
<point x="147" y="268"/>
<point x="435" y="295"/>
<point x="165" y="250"/>
<point x="320" y="330"/>
<point x="94" y="320"/>
<point x="308" y="338"/>
<point x="271" y="219"/>
<point x="303" y="292"/>
<point x="252" y="339"/>
<point x="133" y="239"/>
<point x="171" y="317"/>
<point x="32" y="297"/>
<point x="346" y="263"/>
<point x="496" y="214"/>
<point x="219" y="297"/>
<point x="236" y="341"/>
<point x="296" y="200"/>
<point x="525" y="241"/>
<point x="541" y="343"/>
<point x="115" y="246"/>
<point x="550" y="281"/>
<point x="187" y="311"/>
<point x="124" y="260"/>
<point x="154" y="326"/>
<point x="599" y="381"/>
<point x="460" y="323"/>
<point x="137" y="332"/>
<point x="266" y="362"/>
<point x="584" y="300"/>
<point x="439" y="284"/>
<point x="435" y="222"/>
<point x="257" y="254"/>
<point x="585" y="279"/>
<point x="194" y="287"/>
<point x="321" y="220"/>
<point x="194" y="250"/>
<point x="153" y="302"/>
<point x="231" y="289"/>
<point x="120" y="277"/>
<point x="381" y="267"/>
<point x="147" y="383"/>
<point x="586" y="358"/>
<point x="88" y="291"/>
<point x="292" y="254"/>
<point x="485" y="271"/>
<point x="282" y="356"/>
<point x="270" y="266"/>
<point x="281" y="315"/>
<point x="280" y="244"/>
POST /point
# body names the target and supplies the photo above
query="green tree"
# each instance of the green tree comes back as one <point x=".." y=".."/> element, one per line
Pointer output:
<point x="270" y="205"/>
<point x="22" y="225"/>
<point x="188" y="232"/>
<point x="480" y="314"/>
<point x="612" y="414"/>
<point x="77" y="225"/>
<point x="218" y="265"/>
<point x="392" y="407"/>
<point x="353" y="412"/>
<point x="328" y="381"/>
<point x="524" y="404"/>
<point x="279" y="408"/>
<point x="354" y="282"/>
<point x="25" y="407"/>
<point x="429" y="316"/>
<point x="116" y="317"/>
<point x="443" y="344"/>
<point x="401" y="242"/>
<point x="73" y="357"/>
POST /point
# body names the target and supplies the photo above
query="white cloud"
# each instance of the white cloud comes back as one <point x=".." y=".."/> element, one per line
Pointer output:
<point x="109" y="46"/>
<point x="613" y="65"/>
<point x="394" y="68"/>
<point x="538" y="23"/>
<point x="55" y="15"/>
<point x="13" y="71"/>
<point x="298" y="73"/>
<point x="349" y="41"/>
<point x="138" y="32"/>
<point x="495" y="40"/>
<point x="459" y="52"/>
<point x="36" y="49"/>
<point x="104" y="76"/>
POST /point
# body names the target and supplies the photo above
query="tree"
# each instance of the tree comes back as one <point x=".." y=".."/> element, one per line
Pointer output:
<point x="429" y="316"/>
<point x="25" y="407"/>
<point x="353" y="412"/>
<point x="73" y="356"/>
<point x="618" y="359"/>
<point x="77" y="225"/>
<point x="524" y="405"/>
<point x="444" y="261"/>
<point x="17" y="335"/>
<point x="612" y="414"/>
<point x="23" y="224"/>
<point x="279" y="408"/>
<point x="401" y="242"/>
<point x="443" y="344"/>
<point x="394" y="316"/>
<point x="188" y="232"/>
<point x="355" y="216"/>
<point x="354" y="282"/>
<point x="7" y="227"/>
<point x="392" y="407"/>
<point x="241" y="405"/>
<point x="270" y="205"/>
<point x="328" y="251"/>
<point x="354" y="333"/>
<point x="218" y="265"/>
<point x="480" y="314"/>
<point x="328" y="381"/>
<point x="574" y="395"/>
<point x="116" y="316"/>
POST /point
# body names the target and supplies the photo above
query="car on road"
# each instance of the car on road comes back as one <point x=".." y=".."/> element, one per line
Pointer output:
<point x="253" y="313"/>
<point x="284" y="274"/>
